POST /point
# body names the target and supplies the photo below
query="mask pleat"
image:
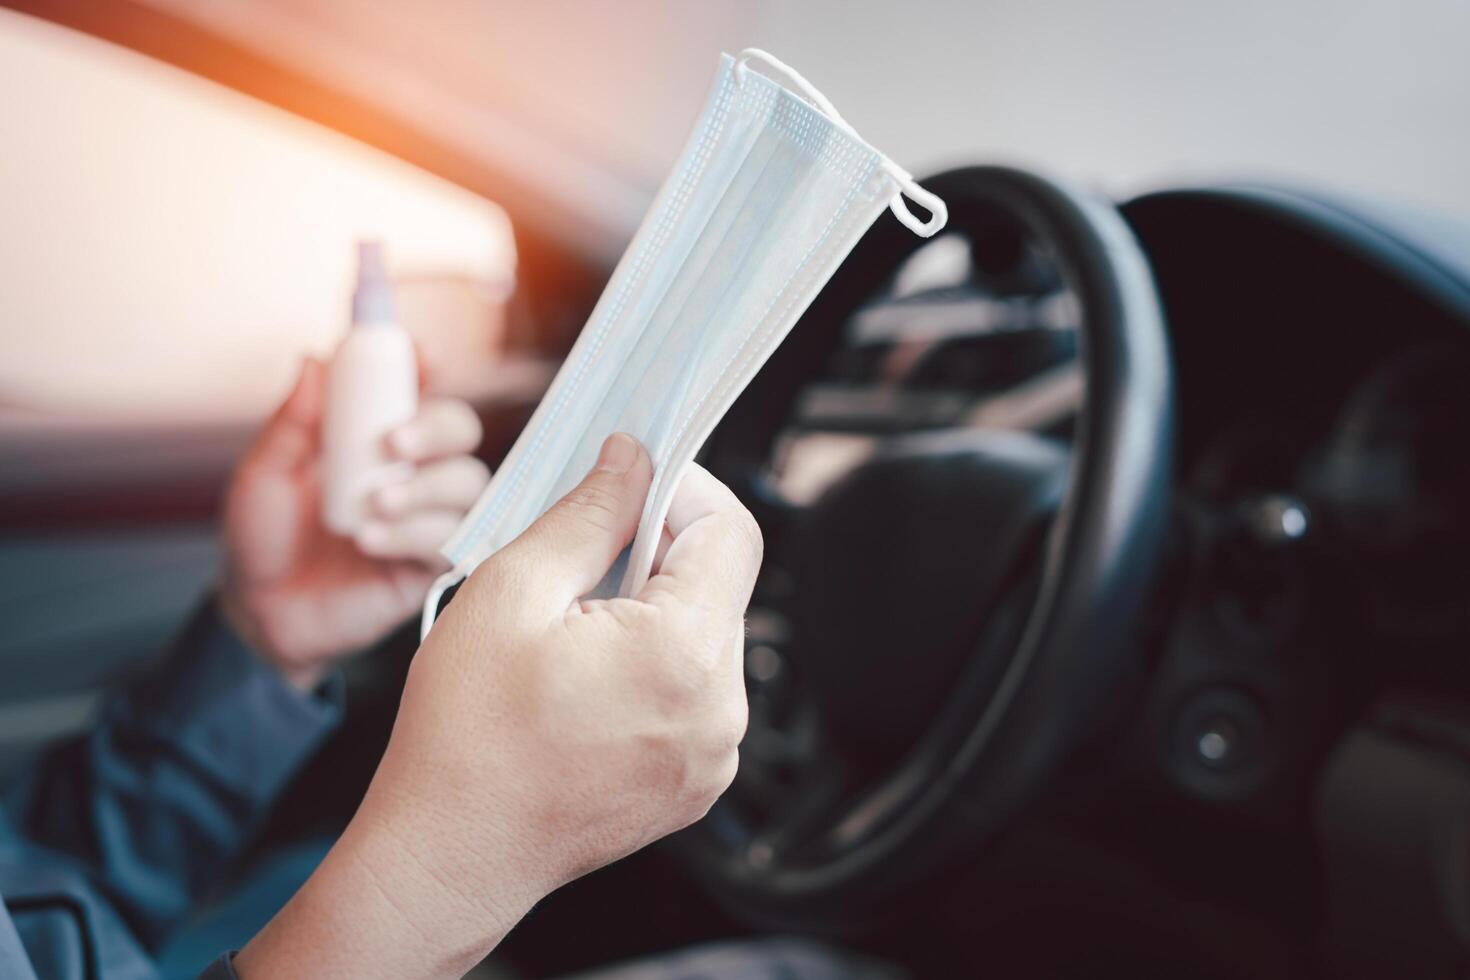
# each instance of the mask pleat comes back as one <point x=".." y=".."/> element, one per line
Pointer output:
<point x="768" y="197"/>
<point x="642" y="390"/>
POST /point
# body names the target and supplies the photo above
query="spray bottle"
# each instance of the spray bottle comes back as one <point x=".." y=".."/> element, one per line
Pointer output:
<point x="372" y="387"/>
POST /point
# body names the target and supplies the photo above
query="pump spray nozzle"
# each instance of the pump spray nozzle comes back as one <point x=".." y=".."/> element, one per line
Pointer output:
<point x="372" y="298"/>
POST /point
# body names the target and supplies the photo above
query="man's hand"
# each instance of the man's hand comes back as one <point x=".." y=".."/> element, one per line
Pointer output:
<point x="540" y="735"/>
<point x="303" y="597"/>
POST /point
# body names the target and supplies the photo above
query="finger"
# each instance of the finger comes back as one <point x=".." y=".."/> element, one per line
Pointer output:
<point x="570" y="549"/>
<point x="737" y="648"/>
<point x="442" y="428"/>
<point x="665" y="538"/>
<point x="290" y="437"/>
<point x="418" y="536"/>
<point x="450" y="484"/>
<point x="716" y="551"/>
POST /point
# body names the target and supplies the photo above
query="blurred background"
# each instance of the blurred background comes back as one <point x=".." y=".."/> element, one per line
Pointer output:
<point x="174" y="244"/>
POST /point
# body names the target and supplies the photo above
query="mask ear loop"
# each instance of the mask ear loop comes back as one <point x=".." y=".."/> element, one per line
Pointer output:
<point x="797" y="79"/>
<point x="931" y="202"/>
<point x="441" y="585"/>
<point x="938" y="213"/>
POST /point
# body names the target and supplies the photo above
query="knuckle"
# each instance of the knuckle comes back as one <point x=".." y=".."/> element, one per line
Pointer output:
<point x="727" y="771"/>
<point x="735" y="721"/>
<point x="721" y="721"/>
<point x="715" y="779"/>
<point x="701" y="793"/>
<point x="690" y="671"/>
<point x="746" y="532"/>
<point x="594" y="504"/>
<point x="700" y="700"/>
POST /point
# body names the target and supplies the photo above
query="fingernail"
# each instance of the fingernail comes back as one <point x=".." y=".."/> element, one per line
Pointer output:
<point x="619" y="453"/>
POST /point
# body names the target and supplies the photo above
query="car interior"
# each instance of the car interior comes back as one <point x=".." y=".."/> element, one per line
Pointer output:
<point x="1114" y="613"/>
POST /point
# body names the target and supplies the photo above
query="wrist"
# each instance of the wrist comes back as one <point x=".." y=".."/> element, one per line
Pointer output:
<point x="464" y="861"/>
<point x="243" y="617"/>
<point x="390" y="900"/>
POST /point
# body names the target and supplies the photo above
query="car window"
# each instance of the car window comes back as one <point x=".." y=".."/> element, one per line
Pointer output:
<point x="172" y="248"/>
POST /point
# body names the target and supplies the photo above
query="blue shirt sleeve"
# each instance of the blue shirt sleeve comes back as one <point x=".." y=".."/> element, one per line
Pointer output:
<point x="151" y="805"/>
<point x="221" y="969"/>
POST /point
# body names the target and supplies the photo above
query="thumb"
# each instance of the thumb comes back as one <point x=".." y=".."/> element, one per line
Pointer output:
<point x="290" y="438"/>
<point x="570" y="549"/>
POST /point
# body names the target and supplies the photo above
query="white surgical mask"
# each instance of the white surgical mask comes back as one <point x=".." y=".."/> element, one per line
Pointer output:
<point x="772" y="191"/>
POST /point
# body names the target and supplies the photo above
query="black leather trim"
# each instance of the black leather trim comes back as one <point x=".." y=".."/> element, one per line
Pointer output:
<point x="1401" y="252"/>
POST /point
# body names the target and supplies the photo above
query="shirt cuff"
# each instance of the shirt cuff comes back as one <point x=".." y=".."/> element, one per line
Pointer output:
<point x="221" y="969"/>
<point x="232" y="712"/>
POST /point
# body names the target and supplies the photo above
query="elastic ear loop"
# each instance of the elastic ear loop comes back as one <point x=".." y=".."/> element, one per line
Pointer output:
<point x="441" y="585"/>
<point x="938" y="212"/>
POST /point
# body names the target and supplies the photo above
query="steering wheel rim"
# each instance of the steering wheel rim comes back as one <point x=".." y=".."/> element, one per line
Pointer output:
<point x="1078" y="645"/>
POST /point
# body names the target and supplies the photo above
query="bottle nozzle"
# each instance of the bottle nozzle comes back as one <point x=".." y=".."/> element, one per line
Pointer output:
<point x="372" y="299"/>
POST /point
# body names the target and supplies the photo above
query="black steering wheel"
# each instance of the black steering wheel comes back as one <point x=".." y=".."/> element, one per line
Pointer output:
<point x="962" y="607"/>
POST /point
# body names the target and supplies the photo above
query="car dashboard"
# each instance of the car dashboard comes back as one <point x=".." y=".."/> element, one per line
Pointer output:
<point x="1314" y="604"/>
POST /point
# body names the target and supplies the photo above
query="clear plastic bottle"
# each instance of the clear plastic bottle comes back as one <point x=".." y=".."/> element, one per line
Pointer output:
<point x="372" y="387"/>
